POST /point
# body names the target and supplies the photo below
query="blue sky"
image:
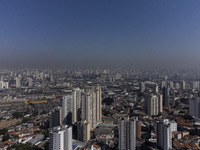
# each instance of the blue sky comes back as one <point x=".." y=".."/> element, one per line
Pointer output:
<point x="99" y="32"/>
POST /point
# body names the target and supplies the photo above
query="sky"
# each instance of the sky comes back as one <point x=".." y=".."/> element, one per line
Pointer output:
<point x="99" y="33"/>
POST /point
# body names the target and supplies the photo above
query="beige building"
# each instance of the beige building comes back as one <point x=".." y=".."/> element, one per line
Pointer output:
<point x="83" y="131"/>
<point x="76" y="104"/>
<point x="91" y="106"/>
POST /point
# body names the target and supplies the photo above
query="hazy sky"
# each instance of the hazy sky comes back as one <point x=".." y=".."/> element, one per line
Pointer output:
<point x="54" y="33"/>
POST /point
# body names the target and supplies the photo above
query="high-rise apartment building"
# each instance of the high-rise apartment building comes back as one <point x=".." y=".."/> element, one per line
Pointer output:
<point x="98" y="103"/>
<point x="4" y="85"/>
<point x="91" y="106"/>
<point x="55" y="117"/>
<point x="76" y="104"/>
<point x="195" y="85"/>
<point x="171" y="84"/>
<point x="138" y="129"/>
<point x="152" y="105"/>
<point x="30" y="82"/>
<point x="160" y="103"/>
<point x="60" y="138"/>
<point x="166" y="96"/>
<point x="155" y="88"/>
<point x="183" y="85"/>
<point x="164" y="137"/>
<point x="18" y="82"/>
<point x="83" y="131"/>
<point x="142" y="86"/>
<point x="127" y="134"/>
<point x="194" y="107"/>
<point x="173" y="98"/>
<point x="67" y="109"/>
<point x="177" y="86"/>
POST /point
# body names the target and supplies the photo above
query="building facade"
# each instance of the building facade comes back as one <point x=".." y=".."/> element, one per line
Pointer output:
<point x="60" y="138"/>
<point x="127" y="134"/>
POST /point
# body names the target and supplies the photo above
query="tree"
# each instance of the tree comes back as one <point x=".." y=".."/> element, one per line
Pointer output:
<point x="17" y="115"/>
<point x="5" y="137"/>
<point x="3" y="131"/>
<point x="46" y="134"/>
<point x="108" y="101"/>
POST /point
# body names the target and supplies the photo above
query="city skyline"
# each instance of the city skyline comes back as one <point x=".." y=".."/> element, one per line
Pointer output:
<point x="132" y="34"/>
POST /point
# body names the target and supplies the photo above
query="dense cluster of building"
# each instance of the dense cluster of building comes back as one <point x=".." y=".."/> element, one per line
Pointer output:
<point x="103" y="109"/>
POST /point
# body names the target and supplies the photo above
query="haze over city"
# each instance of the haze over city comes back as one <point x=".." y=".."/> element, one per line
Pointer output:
<point x="92" y="33"/>
<point x="99" y="75"/>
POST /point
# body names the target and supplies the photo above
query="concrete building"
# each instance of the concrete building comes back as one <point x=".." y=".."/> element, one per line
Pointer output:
<point x="166" y="96"/>
<point x="195" y="85"/>
<point x="55" y="117"/>
<point x="152" y="105"/>
<point x="155" y="88"/>
<point x="83" y="131"/>
<point x="76" y="105"/>
<point x="18" y="82"/>
<point x="30" y="82"/>
<point x="35" y="139"/>
<point x="4" y="85"/>
<point x="127" y="134"/>
<point x="183" y="85"/>
<point x="194" y="107"/>
<point x="173" y="98"/>
<point x="177" y="86"/>
<point x="160" y="103"/>
<point x="91" y="106"/>
<point x="60" y="138"/>
<point x="67" y="109"/>
<point x="171" y="84"/>
<point x="138" y="131"/>
<point x="142" y="86"/>
<point x="163" y="84"/>
<point x="164" y="137"/>
<point x="173" y="126"/>
<point x="98" y="103"/>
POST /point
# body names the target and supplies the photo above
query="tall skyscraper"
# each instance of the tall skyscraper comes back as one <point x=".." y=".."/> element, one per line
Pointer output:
<point x="4" y="85"/>
<point x="67" y="109"/>
<point x="55" y="117"/>
<point x="171" y="84"/>
<point x="1" y="78"/>
<point x="194" y="107"/>
<point x="60" y="138"/>
<point x="183" y="85"/>
<point x="177" y="86"/>
<point x="173" y="98"/>
<point x="138" y="131"/>
<point x="195" y="85"/>
<point x="155" y="88"/>
<point x="91" y="106"/>
<point x="163" y="84"/>
<point x="152" y="105"/>
<point x="127" y="134"/>
<point x="76" y="104"/>
<point x="1" y="84"/>
<point x="98" y="103"/>
<point x="160" y="103"/>
<point x="30" y="82"/>
<point x="164" y="137"/>
<point x="18" y="82"/>
<point x="83" y="131"/>
<point x="142" y="86"/>
<point x="166" y="96"/>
